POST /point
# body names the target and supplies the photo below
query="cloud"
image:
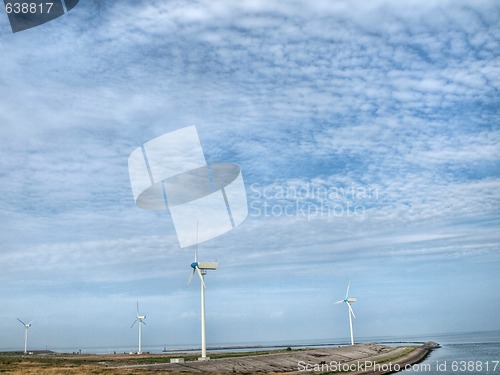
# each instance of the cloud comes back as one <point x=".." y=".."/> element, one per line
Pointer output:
<point x="397" y="99"/>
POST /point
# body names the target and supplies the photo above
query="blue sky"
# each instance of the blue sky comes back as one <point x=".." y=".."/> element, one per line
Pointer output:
<point x="391" y="108"/>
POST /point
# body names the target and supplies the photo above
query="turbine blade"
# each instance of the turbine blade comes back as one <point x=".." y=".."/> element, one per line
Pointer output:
<point x="348" y="285"/>
<point x="133" y="323"/>
<point x="201" y="276"/>
<point x="143" y="322"/>
<point x="350" y="310"/>
<point x="196" y="248"/>
<point x="191" y="277"/>
<point x="21" y="322"/>
<point x="339" y="301"/>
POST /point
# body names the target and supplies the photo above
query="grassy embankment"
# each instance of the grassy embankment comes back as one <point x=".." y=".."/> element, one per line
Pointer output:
<point x="61" y="364"/>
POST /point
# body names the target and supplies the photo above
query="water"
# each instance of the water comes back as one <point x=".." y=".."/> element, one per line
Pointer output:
<point x="471" y="353"/>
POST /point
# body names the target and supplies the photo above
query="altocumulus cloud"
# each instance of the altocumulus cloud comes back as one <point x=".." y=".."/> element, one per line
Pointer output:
<point x="400" y="97"/>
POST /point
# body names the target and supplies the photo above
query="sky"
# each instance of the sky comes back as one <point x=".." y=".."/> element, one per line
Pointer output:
<point x="368" y="138"/>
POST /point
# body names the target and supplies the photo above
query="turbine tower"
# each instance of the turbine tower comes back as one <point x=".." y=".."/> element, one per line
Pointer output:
<point x="348" y="300"/>
<point x="201" y="268"/>
<point x="139" y="319"/>
<point x="26" y="327"/>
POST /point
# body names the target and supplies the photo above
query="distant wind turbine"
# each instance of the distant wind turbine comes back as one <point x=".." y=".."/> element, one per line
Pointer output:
<point x="348" y="300"/>
<point x="140" y="319"/>
<point x="26" y="327"/>
<point x="201" y="268"/>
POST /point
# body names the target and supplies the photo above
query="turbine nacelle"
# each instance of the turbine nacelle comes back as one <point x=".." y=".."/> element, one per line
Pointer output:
<point x="205" y="265"/>
<point x="138" y="318"/>
<point x="347" y="300"/>
<point x="26" y="325"/>
<point x="201" y="267"/>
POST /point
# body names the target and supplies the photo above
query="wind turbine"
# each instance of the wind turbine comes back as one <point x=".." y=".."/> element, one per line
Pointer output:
<point x="26" y="327"/>
<point x="348" y="300"/>
<point x="140" y="319"/>
<point x="201" y="268"/>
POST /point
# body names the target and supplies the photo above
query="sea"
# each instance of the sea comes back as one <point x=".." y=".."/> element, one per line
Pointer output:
<point x="460" y="353"/>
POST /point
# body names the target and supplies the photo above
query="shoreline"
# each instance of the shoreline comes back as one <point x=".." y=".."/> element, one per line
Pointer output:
<point x="361" y="358"/>
<point x="418" y="355"/>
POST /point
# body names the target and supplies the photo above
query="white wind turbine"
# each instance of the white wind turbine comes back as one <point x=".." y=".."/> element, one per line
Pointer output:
<point x="26" y="327"/>
<point x="348" y="300"/>
<point x="139" y="319"/>
<point x="201" y="268"/>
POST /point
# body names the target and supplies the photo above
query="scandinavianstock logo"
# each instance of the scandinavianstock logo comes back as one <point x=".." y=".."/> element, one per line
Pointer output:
<point x="311" y="199"/>
<point x="24" y="15"/>
<point x="171" y="172"/>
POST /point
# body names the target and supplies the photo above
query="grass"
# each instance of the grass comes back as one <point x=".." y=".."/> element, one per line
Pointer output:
<point x="74" y="364"/>
<point x="407" y="350"/>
